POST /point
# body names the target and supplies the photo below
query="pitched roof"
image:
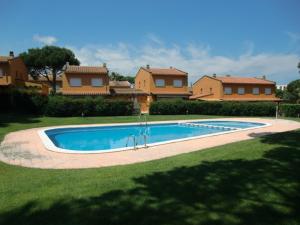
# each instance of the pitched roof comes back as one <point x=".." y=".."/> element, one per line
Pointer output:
<point x="242" y="80"/>
<point x="5" y="58"/>
<point x="116" y="83"/>
<point x="86" y="69"/>
<point x="83" y="92"/>
<point x="42" y="78"/>
<point x="163" y="71"/>
<point x="127" y="91"/>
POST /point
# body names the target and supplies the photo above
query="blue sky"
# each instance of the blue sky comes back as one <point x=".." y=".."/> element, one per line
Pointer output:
<point x="246" y="38"/>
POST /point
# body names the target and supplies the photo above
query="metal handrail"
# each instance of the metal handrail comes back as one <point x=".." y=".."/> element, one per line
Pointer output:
<point x="134" y="141"/>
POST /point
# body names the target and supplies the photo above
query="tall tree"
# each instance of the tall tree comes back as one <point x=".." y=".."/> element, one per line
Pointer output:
<point x="46" y="61"/>
<point x="299" y="66"/>
<point x="119" y="77"/>
<point x="293" y="90"/>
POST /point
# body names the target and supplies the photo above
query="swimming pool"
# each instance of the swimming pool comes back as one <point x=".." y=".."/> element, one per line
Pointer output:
<point x="97" y="139"/>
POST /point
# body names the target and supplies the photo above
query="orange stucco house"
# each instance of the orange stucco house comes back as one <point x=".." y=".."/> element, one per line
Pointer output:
<point x="85" y="80"/>
<point x="162" y="83"/>
<point x="229" y="88"/>
<point x="13" y="72"/>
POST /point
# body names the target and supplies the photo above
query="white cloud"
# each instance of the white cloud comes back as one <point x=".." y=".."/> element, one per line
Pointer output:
<point x="196" y="60"/>
<point x="47" y="40"/>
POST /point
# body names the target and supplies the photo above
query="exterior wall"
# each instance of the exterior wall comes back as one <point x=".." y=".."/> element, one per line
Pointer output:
<point x="248" y="91"/>
<point x="146" y="82"/>
<point x="18" y="71"/>
<point x="15" y="72"/>
<point x="6" y="79"/>
<point x="86" y="85"/>
<point x="210" y="87"/>
<point x="143" y="81"/>
<point x="169" y="88"/>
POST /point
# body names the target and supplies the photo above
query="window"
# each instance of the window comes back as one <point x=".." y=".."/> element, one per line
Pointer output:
<point x="268" y="91"/>
<point x="210" y="90"/>
<point x="255" y="91"/>
<point x="241" y="90"/>
<point x="201" y="90"/>
<point x="1" y="72"/>
<point x="144" y="83"/>
<point x="160" y="82"/>
<point x="227" y="90"/>
<point x="75" y="82"/>
<point x="97" y="82"/>
<point x="177" y="83"/>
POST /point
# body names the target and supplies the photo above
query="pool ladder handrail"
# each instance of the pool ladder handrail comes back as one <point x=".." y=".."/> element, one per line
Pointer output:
<point x="134" y="141"/>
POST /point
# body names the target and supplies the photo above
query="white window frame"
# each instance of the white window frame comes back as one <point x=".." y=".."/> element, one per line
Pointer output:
<point x="177" y="83"/>
<point x="255" y="90"/>
<point x="268" y="91"/>
<point x="75" y="82"/>
<point x="97" y="82"/>
<point x="241" y="90"/>
<point x="1" y="72"/>
<point x="160" y="83"/>
<point x="228" y="90"/>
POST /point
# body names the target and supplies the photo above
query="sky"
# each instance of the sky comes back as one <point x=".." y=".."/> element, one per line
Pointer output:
<point x="201" y="37"/>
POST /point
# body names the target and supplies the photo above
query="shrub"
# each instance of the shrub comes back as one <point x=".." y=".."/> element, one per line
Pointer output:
<point x="88" y="106"/>
<point x="292" y="110"/>
<point x="25" y="101"/>
<point x="213" y="108"/>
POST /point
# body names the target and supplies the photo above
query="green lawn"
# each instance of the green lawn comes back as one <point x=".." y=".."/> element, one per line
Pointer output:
<point x="247" y="183"/>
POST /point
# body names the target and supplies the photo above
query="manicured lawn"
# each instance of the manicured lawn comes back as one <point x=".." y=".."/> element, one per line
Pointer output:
<point x="249" y="182"/>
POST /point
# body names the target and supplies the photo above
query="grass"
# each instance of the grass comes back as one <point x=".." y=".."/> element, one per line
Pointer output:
<point x="248" y="182"/>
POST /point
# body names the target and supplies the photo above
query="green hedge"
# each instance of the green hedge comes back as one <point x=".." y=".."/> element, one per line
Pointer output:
<point x="70" y="106"/>
<point x="24" y="101"/>
<point x="292" y="110"/>
<point x="172" y="107"/>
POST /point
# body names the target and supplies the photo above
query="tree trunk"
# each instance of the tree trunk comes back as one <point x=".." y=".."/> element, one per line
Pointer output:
<point x="54" y="81"/>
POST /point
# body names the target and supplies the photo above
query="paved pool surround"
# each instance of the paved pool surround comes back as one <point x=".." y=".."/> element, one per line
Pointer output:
<point x="25" y="147"/>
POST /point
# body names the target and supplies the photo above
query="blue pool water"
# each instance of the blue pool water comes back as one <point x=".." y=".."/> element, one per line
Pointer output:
<point x="115" y="137"/>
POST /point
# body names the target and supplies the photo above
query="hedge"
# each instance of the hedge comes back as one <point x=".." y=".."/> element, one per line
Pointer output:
<point x="172" y="107"/>
<point x="88" y="106"/>
<point x="292" y="110"/>
<point x="24" y="101"/>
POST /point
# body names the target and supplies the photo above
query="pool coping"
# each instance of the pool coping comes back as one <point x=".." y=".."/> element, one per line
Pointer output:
<point x="25" y="148"/>
<point x="49" y="145"/>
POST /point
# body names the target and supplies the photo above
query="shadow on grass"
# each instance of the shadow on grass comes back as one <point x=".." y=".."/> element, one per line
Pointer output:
<point x="263" y="191"/>
<point x="7" y="118"/>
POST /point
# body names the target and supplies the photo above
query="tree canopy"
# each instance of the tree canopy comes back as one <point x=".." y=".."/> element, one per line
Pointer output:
<point x="119" y="77"/>
<point x="48" y="60"/>
<point x="293" y="91"/>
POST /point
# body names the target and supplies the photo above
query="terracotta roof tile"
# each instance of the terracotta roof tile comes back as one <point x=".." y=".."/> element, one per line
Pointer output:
<point x="243" y="80"/>
<point x="115" y="83"/>
<point x="86" y="69"/>
<point x="124" y="91"/>
<point x="83" y="92"/>
<point x="5" y="58"/>
<point x="162" y="71"/>
<point x="171" y="93"/>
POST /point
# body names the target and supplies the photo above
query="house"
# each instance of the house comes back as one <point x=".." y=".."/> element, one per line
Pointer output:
<point x="13" y="72"/>
<point x="229" y="88"/>
<point x="162" y="83"/>
<point x="44" y="81"/>
<point x="125" y="91"/>
<point x="281" y="87"/>
<point x="85" y="80"/>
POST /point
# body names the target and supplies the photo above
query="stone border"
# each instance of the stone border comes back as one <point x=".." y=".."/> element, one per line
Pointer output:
<point x="52" y="147"/>
<point x="25" y="148"/>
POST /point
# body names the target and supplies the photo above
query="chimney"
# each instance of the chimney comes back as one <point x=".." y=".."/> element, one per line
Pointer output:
<point x="11" y="54"/>
<point x="148" y="66"/>
<point x="104" y="65"/>
<point x="67" y="64"/>
<point x="263" y="77"/>
<point x="214" y="75"/>
<point x="171" y="67"/>
<point x="228" y="75"/>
